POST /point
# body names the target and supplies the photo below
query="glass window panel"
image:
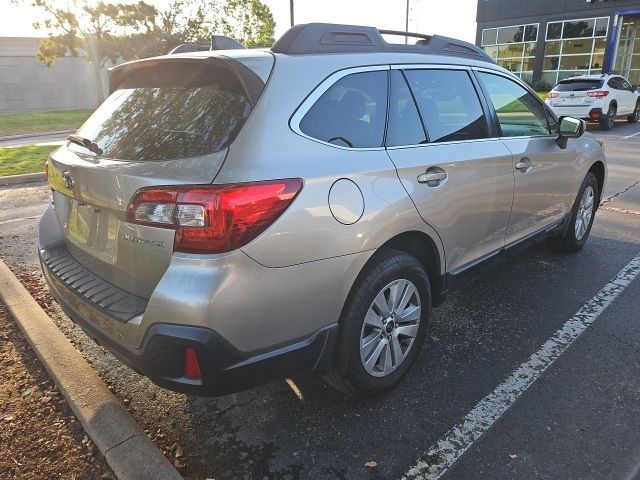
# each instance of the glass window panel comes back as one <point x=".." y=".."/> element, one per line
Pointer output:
<point x="513" y="65"/>
<point x="551" y="63"/>
<point x="519" y="112"/>
<point x="601" y="27"/>
<point x="489" y="36"/>
<point x="491" y="51"/>
<point x="566" y="74"/>
<point x="552" y="48"/>
<point x="527" y="77"/>
<point x="549" y="77"/>
<point x="510" y="51"/>
<point x="577" y="62"/>
<point x="637" y="46"/>
<point x="351" y="113"/>
<point x="597" y="61"/>
<point x="577" y="46"/>
<point x="634" y="77"/>
<point x="578" y="29"/>
<point x="635" y="61"/>
<point x="554" y="30"/>
<point x="599" y="45"/>
<point x="531" y="33"/>
<point x="510" y="34"/>
<point x="530" y="49"/>
<point x="405" y="126"/>
<point x="449" y="105"/>
<point x="527" y="63"/>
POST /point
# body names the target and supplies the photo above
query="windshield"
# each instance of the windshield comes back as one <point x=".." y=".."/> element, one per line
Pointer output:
<point x="167" y="113"/>
<point x="578" y="85"/>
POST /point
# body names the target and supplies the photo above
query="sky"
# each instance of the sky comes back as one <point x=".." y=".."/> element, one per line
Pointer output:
<point x="454" y="18"/>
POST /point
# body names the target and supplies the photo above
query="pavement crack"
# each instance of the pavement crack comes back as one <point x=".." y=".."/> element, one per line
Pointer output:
<point x="120" y="443"/>
<point x="234" y="405"/>
<point x="615" y="195"/>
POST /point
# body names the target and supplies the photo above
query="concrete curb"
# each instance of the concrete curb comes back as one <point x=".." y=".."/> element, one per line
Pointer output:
<point x="35" y="134"/>
<point x="128" y="451"/>
<point x="24" y="178"/>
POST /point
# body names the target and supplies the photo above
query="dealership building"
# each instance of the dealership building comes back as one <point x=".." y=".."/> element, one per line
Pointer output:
<point x="548" y="40"/>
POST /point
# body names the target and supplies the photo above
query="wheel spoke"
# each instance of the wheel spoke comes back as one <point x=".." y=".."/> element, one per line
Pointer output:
<point x="406" y="298"/>
<point x="398" y="356"/>
<point x="369" y="343"/>
<point x="373" y="319"/>
<point x="411" y="314"/>
<point x="375" y="355"/>
<point x="388" y="365"/>
<point x="381" y="304"/>
<point x="395" y="291"/>
<point x="407" y="330"/>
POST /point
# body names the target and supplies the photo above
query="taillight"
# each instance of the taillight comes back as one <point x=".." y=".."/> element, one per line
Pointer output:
<point x="552" y="94"/>
<point x="598" y="93"/>
<point x="213" y="218"/>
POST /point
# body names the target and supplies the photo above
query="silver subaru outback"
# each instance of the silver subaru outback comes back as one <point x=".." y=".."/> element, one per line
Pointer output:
<point x="231" y="217"/>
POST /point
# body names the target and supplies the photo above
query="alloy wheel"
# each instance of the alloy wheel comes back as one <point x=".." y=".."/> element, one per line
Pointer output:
<point x="390" y="328"/>
<point x="585" y="212"/>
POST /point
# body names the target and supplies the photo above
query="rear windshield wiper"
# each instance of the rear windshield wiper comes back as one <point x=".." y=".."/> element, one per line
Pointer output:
<point x="86" y="143"/>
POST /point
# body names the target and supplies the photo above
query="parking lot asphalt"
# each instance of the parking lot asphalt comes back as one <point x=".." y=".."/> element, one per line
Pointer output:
<point x="578" y="420"/>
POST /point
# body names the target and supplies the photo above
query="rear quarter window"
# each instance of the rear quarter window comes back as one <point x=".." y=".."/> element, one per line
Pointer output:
<point x="351" y="113"/>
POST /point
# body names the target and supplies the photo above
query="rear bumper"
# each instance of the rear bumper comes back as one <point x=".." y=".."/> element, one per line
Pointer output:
<point x="224" y="368"/>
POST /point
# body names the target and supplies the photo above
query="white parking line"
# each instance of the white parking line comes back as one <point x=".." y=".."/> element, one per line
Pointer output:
<point x="441" y="456"/>
<point x="630" y="136"/>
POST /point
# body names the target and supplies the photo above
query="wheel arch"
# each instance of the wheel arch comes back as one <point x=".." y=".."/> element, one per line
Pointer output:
<point x="598" y="170"/>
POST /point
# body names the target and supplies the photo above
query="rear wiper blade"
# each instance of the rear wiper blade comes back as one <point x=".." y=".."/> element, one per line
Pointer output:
<point x="86" y="143"/>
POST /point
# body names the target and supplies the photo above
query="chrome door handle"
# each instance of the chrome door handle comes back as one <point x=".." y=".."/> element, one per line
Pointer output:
<point x="524" y="165"/>
<point x="433" y="177"/>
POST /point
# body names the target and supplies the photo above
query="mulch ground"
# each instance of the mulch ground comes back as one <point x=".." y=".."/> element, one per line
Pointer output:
<point x="39" y="436"/>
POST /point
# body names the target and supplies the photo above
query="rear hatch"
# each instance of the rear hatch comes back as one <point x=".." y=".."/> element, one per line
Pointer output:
<point x="168" y="121"/>
<point x="576" y="92"/>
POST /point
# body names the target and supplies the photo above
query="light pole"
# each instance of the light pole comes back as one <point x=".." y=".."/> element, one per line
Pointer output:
<point x="291" y="11"/>
<point x="406" y="24"/>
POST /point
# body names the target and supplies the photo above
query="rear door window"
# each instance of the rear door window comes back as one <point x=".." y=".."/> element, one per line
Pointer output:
<point x="164" y="112"/>
<point x="519" y="113"/>
<point x="449" y="105"/>
<point x="351" y="113"/>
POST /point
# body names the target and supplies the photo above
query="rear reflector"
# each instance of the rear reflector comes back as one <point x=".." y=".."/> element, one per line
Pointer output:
<point x="595" y="114"/>
<point x="46" y="170"/>
<point x="213" y="218"/>
<point x="598" y="94"/>
<point x="191" y="366"/>
<point x="552" y="94"/>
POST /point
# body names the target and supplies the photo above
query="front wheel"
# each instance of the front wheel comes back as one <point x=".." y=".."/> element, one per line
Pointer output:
<point x="383" y="325"/>
<point x="582" y="215"/>
<point x="609" y="120"/>
<point x="635" y="116"/>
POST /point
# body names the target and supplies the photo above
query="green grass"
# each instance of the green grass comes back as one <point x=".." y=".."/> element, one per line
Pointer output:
<point x="542" y="95"/>
<point x="32" y="122"/>
<point x="17" y="160"/>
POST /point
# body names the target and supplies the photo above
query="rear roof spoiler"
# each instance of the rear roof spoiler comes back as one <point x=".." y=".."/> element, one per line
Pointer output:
<point x="218" y="42"/>
<point x="313" y="38"/>
<point x="251" y="83"/>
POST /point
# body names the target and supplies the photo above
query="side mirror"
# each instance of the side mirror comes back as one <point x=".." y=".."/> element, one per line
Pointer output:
<point x="570" y="128"/>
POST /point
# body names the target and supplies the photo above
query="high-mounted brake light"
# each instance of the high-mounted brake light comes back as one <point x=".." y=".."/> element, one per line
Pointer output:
<point x="598" y="93"/>
<point x="552" y="94"/>
<point x="213" y="218"/>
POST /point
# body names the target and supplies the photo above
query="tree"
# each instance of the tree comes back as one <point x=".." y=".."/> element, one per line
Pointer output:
<point x="103" y="32"/>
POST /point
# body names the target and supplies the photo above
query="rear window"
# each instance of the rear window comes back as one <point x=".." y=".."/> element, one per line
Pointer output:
<point x="169" y="112"/>
<point x="578" y="85"/>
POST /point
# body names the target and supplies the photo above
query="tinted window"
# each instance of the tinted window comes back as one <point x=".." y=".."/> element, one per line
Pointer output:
<point x="615" y="83"/>
<point x="510" y="34"/>
<point x="351" y="113"/>
<point x="578" y="29"/>
<point x="405" y="126"/>
<point x="578" y="85"/>
<point x="165" y="113"/>
<point x="624" y="84"/>
<point x="554" y="30"/>
<point x="448" y="104"/>
<point x="519" y="112"/>
<point x="531" y="33"/>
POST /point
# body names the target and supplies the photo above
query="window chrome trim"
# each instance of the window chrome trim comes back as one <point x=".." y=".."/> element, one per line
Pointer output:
<point x="437" y="144"/>
<point x="316" y="93"/>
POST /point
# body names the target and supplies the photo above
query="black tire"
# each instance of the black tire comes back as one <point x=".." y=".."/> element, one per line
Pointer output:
<point x="567" y="242"/>
<point x="349" y="374"/>
<point x="609" y="120"/>
<point x="635" y="116"/>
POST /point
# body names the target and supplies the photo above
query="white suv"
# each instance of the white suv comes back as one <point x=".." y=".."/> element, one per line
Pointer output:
<point x="600" y="98"/>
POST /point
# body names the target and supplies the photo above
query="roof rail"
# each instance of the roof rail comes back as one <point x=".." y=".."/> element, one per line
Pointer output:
<point x="218" y="42"/>
<point x="334" y="38"/>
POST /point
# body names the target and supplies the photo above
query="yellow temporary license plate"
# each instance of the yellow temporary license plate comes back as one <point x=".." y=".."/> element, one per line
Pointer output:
<point x="77" y="225"/>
